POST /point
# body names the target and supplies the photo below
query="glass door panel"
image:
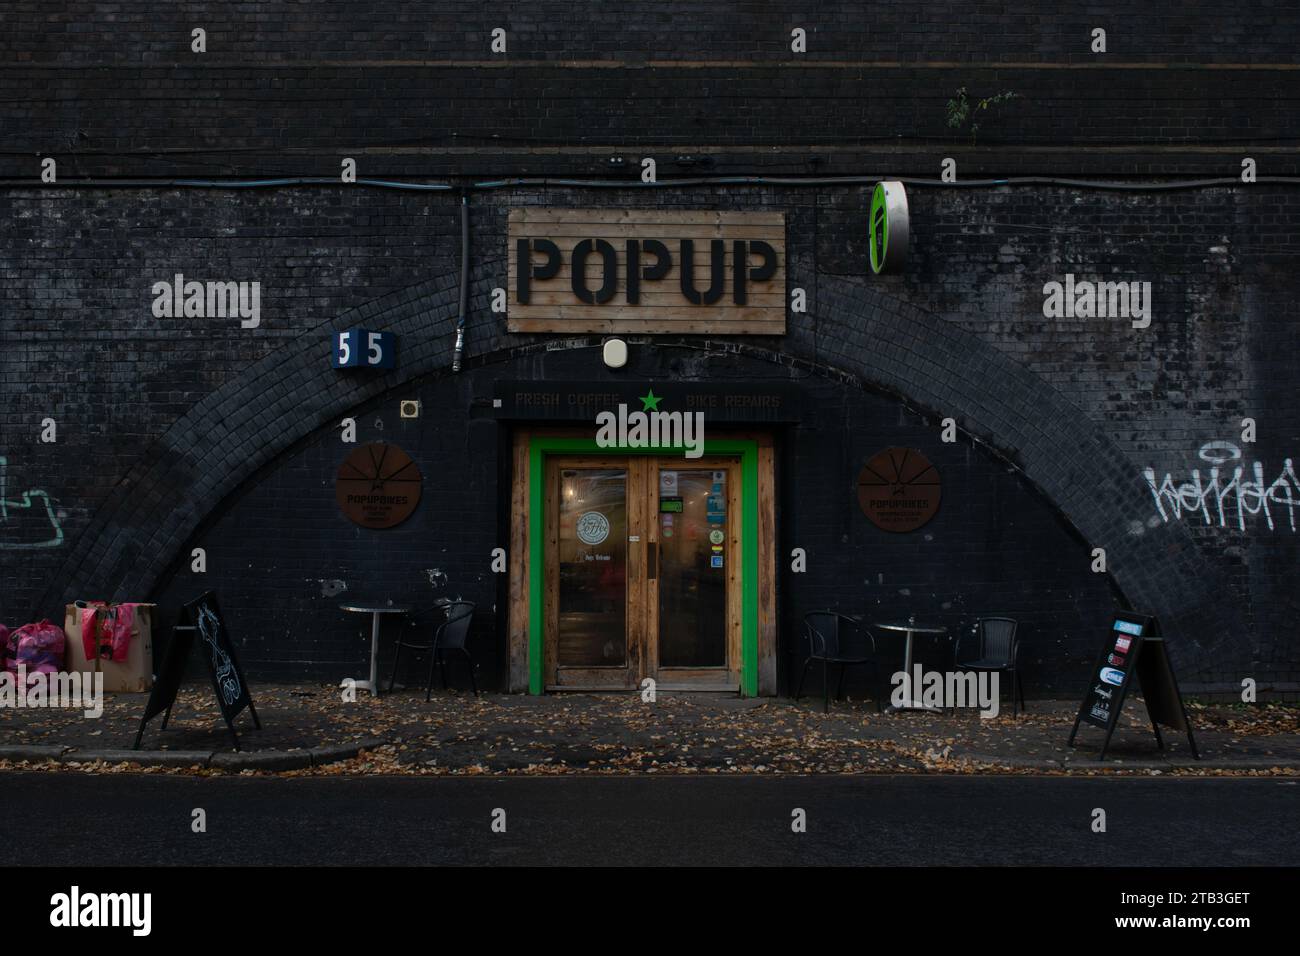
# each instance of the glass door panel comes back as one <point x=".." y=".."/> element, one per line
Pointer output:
<point x="642" y="572"/>
<point x="692" y="578"/>
<point x="592" y="563"/>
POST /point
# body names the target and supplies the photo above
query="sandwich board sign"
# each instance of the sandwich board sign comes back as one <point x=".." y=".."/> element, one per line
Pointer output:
<point x="1134" y="646"/>
<point x="202" y="618"/>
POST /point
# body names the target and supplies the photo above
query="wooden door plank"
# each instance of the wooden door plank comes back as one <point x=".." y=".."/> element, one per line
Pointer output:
<point x="638" y="633"/>
<point x="517" y="681"/>
<point x="650" y="637"/>
<point x="551" y="561"/>
<point x="735" y="571"/>
<point x="767" y="569"/>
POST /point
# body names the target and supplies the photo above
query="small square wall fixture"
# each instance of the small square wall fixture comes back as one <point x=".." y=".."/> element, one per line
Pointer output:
<point x="615" y="353"/>
<point x="410" y="408"/>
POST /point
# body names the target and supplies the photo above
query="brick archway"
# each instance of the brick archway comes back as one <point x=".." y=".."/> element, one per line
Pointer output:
<point x="876" y="342"/>
<point x="1074" y="464"/>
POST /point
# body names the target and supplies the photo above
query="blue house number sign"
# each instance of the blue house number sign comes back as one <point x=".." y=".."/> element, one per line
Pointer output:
<point x="361" y="348"/>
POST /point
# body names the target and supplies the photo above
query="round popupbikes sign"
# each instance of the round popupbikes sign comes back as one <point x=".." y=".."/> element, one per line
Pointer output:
<point x="899" y="489"/>
<point x="888" y="226"/>
<point x="378" y="486"/>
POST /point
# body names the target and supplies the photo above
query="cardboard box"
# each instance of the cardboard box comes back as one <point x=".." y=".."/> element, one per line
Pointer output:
<point x="132" y="676"/>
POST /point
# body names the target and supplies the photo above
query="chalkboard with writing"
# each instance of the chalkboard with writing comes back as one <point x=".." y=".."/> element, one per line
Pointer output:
<point x="1133" y="647"/>
<point x="201" y="619"/>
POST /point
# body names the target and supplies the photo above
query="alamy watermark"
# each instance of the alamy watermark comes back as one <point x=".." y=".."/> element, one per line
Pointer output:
<point x="70" y="690"/>
<point x="77" y="909"/>
<point x="651" y="428"/>
<point x="1098" y="300"/>
<point x="193" y="299"/>
<point x="934" y="689"/>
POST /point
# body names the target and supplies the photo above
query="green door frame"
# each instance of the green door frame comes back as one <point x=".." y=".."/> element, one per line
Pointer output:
<point x="540" y="446"/>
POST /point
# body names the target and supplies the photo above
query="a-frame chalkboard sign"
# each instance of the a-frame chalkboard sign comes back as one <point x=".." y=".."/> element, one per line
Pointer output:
<point x="201" y="618"/>
<point x="1133" y="646"/>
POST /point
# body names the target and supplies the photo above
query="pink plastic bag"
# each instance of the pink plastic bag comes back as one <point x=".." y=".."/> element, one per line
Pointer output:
<point x="89" y="612"/>
<point x="106" y="631"/>
<point x="40" y="648"/>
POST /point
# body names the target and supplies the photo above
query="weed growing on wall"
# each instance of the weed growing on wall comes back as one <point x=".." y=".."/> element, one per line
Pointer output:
<point x="963" y="112"/>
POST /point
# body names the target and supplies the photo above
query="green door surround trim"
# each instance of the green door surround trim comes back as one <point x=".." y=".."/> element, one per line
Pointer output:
<point x="540" y="446"/>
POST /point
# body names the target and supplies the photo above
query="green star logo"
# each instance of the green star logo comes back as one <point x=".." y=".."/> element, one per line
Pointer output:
<point x="650" y="401"/>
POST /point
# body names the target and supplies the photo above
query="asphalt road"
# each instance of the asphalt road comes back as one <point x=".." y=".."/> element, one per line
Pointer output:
<point x="134" y="819"/>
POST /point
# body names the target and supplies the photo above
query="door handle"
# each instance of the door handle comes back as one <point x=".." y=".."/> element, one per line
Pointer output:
<point x="652" y="559"/>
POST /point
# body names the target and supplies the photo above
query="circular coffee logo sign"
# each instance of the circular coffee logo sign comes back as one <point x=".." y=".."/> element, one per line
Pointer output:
<point x="899" y="489"/>
<point x="378" y="486"/>
<point x="593" y="527"/>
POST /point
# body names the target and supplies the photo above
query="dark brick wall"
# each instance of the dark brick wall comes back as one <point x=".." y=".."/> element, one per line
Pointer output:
<point x="83" y="347"/>
<point x="80" y="343"/>
<point x="284" y="557"/>
<point x="1160" y="31"/>
<point x="175" y="428"/>
<point x="995" y="547"/>
<point x="289" y="88"/>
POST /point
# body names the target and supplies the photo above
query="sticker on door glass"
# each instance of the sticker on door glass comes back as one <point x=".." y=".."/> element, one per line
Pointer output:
<point x="593" y="527"/>
<point x="716" y="509"/>
<point x="719" y="476"/>
<point x="716" y="536"/>
<point x="668" y="483"/>
<point x="716" y="561"/>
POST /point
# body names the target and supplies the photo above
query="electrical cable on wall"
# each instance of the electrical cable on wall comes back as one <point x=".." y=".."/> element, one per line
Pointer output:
<point x="464" y="282"/>
<point x="494" y="184"/>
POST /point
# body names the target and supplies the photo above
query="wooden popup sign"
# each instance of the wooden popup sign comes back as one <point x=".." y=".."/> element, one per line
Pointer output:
<point x="674" y="272"/>
<point x="201" y="617"/>
<point x="1134" y="646"/>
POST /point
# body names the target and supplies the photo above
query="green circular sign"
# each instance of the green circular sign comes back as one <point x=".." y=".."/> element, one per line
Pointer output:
<point x="888" y="227"/>
<point x="879" y="223"/>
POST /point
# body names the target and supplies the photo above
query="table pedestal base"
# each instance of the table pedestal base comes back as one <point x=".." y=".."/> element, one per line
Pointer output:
<point x="372" y="684"/>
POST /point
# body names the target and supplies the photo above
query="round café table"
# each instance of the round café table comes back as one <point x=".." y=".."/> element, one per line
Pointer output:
<point x="909" y="628"/>
<point x="376" y="611"/>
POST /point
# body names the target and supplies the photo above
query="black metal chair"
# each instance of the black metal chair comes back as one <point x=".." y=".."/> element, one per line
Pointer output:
<point x="997" y="651"/>
<point x="421" y="620"/>
<point x="828" y="645"/>
<point x="451" y="635"/>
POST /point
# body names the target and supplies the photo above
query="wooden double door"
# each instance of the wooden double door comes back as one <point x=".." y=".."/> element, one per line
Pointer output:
<point x="642" y="572"/>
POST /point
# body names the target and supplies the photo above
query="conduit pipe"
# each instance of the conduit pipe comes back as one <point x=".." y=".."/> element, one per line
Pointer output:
<point x="464" y="282"/>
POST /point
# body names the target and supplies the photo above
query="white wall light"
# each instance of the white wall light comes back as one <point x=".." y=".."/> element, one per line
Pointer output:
<point x="615" y="353"/>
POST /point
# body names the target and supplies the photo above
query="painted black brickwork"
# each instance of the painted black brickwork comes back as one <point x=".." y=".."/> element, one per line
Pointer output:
<point x="1015" y="553"/>
<point x="173" y="432"/>
<point x="289" y="88"/>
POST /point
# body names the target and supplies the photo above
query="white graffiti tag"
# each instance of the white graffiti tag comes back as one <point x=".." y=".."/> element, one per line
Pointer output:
<point x="26" y="500"/>
<point x="1227" y="495"/>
